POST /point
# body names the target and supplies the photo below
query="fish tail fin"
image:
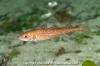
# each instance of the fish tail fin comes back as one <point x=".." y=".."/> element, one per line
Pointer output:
<point x="80" y="28"/>
<point x="69" y="26"/>
<point x="84" y="27"/>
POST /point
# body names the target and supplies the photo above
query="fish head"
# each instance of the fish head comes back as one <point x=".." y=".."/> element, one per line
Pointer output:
<point x="27" y="37"/>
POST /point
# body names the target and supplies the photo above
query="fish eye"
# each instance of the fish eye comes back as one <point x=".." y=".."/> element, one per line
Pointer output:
<point x="25" y="36"/>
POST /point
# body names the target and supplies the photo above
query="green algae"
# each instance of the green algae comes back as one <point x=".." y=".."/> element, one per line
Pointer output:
<point x="88" y="63"/>
<point x="80" y="38"/>
<point x="14" y="53"/>
<point x="97" y="51"/>
<point x="96" y="33"/>
<point x="26" y="21"/>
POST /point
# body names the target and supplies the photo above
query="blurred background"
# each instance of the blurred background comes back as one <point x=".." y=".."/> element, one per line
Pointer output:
<point x="75" y="49"/>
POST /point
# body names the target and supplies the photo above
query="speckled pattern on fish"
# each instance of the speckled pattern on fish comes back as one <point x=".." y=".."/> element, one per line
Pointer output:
<point x="47" y="33"/>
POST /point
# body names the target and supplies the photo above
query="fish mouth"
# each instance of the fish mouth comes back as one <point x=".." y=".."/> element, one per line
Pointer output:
<point x="20" y="38"/>
<point x="25" y="39"/>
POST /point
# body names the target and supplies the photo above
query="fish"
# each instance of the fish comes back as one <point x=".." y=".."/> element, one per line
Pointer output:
<point x="46" y="33"/>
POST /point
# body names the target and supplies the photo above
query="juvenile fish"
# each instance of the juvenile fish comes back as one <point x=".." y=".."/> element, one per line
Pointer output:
<point x="47" y="33"/>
